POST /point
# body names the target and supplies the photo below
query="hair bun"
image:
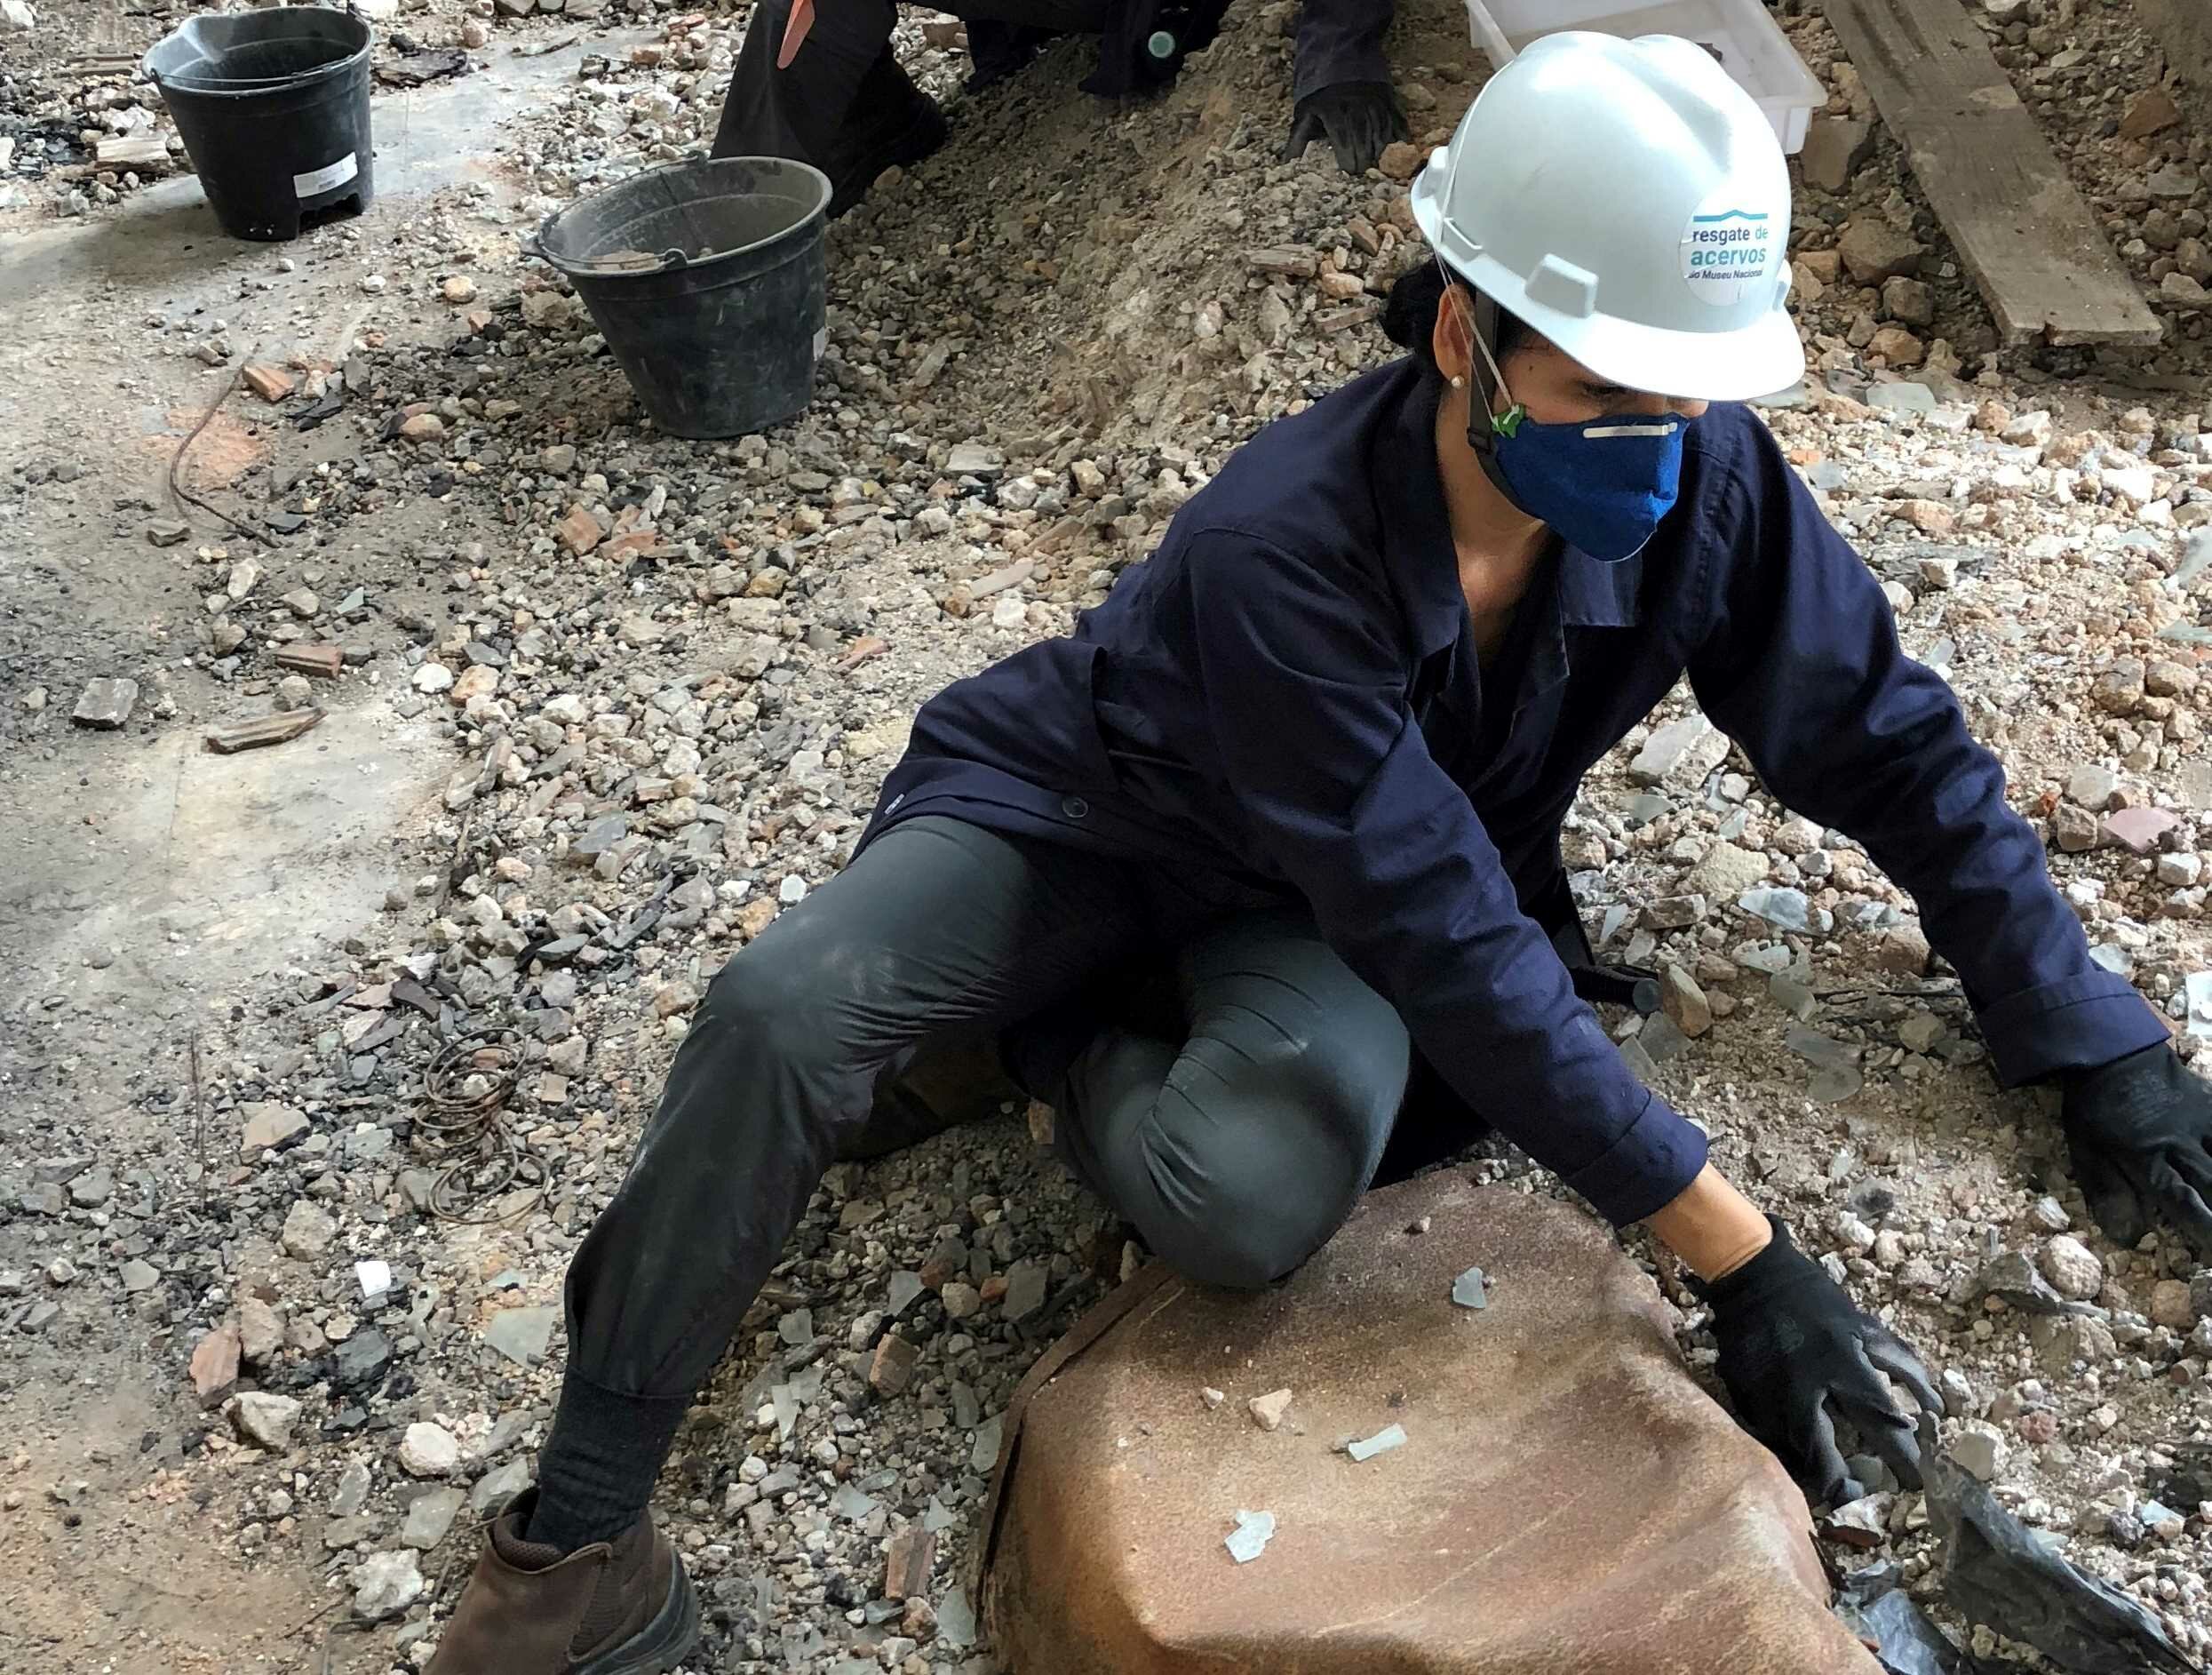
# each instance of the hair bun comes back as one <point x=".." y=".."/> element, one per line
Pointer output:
<point x="1409" y="316"/>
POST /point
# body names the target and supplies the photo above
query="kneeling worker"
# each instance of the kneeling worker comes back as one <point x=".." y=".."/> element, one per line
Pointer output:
<point x="1315" y="754"/>
<point x="816" y="80"/>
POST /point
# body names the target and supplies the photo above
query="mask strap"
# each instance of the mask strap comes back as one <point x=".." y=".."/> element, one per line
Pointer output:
<point x="1485" y="423"/>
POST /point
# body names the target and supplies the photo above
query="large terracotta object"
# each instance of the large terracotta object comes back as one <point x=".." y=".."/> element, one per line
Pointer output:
<point x="1567" y="1500"/>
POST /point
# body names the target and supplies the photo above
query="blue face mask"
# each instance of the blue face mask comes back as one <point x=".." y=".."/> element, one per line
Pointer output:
<point x="1603" y="484"/>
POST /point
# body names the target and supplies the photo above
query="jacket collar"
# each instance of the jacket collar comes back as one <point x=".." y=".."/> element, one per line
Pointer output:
<point x="1418" y="551"/>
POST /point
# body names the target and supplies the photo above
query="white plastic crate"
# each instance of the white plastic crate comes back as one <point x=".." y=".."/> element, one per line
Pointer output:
<point x="1749" y="44"/>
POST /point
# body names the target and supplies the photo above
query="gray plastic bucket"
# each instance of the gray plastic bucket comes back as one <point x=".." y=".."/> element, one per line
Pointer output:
<point x="273" y="107"/>
<point x="708" y="281"/>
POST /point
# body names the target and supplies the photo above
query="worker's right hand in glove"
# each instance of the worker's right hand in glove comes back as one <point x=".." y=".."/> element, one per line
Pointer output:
<point x="2140" y="1133"/>
<point x="1357" y="118"/>
<point x="1797" y="1355"/>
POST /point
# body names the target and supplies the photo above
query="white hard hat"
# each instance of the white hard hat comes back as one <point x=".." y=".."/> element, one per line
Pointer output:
<point x="1629" y="201"/>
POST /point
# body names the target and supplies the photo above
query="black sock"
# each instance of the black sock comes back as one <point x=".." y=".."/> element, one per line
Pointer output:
<point x="596" y="1474"/>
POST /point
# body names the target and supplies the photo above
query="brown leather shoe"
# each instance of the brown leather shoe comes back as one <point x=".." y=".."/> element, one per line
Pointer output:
<point x="624" y="1607"/>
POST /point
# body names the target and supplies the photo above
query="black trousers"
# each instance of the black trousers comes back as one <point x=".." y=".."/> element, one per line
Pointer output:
<point x="1237" y="1131"/>
<point x="845" y="105"/>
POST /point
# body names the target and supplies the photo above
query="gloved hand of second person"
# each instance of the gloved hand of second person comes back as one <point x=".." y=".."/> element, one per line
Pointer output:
<point x="2140" y="1133"/>
<point x="1797" y="1355"/>
<point x="1356" y="118"/>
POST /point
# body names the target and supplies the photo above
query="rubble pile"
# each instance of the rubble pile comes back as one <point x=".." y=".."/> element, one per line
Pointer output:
<point x="672" y="675"/>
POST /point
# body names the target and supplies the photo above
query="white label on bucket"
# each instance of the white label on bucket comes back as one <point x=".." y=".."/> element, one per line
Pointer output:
<point x="821" y="343"/>
<point x="307" y="185"/>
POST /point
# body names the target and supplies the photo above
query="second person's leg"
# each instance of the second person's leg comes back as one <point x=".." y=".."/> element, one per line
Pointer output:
<point x="843" y="104"/>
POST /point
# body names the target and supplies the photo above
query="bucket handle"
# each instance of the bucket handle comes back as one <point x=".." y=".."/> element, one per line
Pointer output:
<point x="671" y="260"/>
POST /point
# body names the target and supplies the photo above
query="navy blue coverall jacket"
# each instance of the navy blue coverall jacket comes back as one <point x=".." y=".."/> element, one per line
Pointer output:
<point x="1287" y="698"/>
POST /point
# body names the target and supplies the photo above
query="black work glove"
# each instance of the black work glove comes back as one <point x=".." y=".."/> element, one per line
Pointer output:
<point x="2140" y="1133"/>
<point x="1358" y="119"/>
<point x="1791" y="1344"/>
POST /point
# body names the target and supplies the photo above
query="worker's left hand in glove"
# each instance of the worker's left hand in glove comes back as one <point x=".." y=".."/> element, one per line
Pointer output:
<point x="2140" y="1133"/>
<point x="1358" y="119"/>
<point x="1797" y="1355"/>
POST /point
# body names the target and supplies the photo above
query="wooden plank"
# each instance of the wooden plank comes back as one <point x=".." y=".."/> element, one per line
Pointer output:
<point x="2026" y="239"/>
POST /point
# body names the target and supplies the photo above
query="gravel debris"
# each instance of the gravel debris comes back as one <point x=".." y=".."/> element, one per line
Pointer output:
<point x="669" y="677"/>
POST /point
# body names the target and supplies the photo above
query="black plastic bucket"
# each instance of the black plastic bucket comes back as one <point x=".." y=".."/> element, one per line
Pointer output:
<point x="708" y="281"/>
<point x="273" y="107"/>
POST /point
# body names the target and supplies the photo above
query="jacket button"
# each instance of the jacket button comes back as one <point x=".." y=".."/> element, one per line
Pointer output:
<point x="1074" y="808"/>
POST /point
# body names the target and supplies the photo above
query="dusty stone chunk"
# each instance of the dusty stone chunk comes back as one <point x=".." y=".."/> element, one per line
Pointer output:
<point x="1683" y="1001"/>
<point x="2163" y="677"/>
<point x="167" y="531"/>
<point x="2138" y="829"/>
<point x="260" y="1332"/>
<point x="424" y="427"/>
<point x="429" y="1516"/>
<point x="2092" y="786"/>
<point x="1267" y="1411"/>
<point x="2072" y="1268"/>
<point x="961" y="1299"/>
<point x="105" y="704"/>
<point x="1899" y="348"/>
<point x="264" y="1420"/>
<point x="384" y="1586"/>
<point x="521" y="1335"/>
<point x="1786" y="909"/>
<point x="1674" y="912"/>
<point x="974" y="459"/>
<point x="2119" y="688"/>
<point x="1401" y="161"/>
<point x="428" y="1450"/>
<point x="307" y="1231"/>
<point x="477" y="680"/>
<point x="267" y="1125"/>
<point x="2151" y="111"/>
<point x="1903" y="951"/>
<point x="458" y="290"/>
<point x="1864" y="1522"/>
<point x="580" y="531"/>
<point x="1910" y="301"/>
<point x="1980" y="1449"/>
<point x="1930" y="517"/>
<point x="906" y="1568"/>
<point x="1666" y="749"/>
<point x="1835" y="148"/>
<point x="496" y="1489"/>
<point x="215" y="1362"/>
<point x="1872" y="250"/>
<point x="892" y="1367"/>
<point x="1026" y="1283"/>
<point x="1727" y="871"/>
<point x="2074" y="829"/>
<point x="270" y="383"/>
<point x="2170" y="1305"/>
<point x="2185" y="290"/>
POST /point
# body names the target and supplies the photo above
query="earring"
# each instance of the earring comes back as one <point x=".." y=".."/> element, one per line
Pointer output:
<point x="1458" y="383"/>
